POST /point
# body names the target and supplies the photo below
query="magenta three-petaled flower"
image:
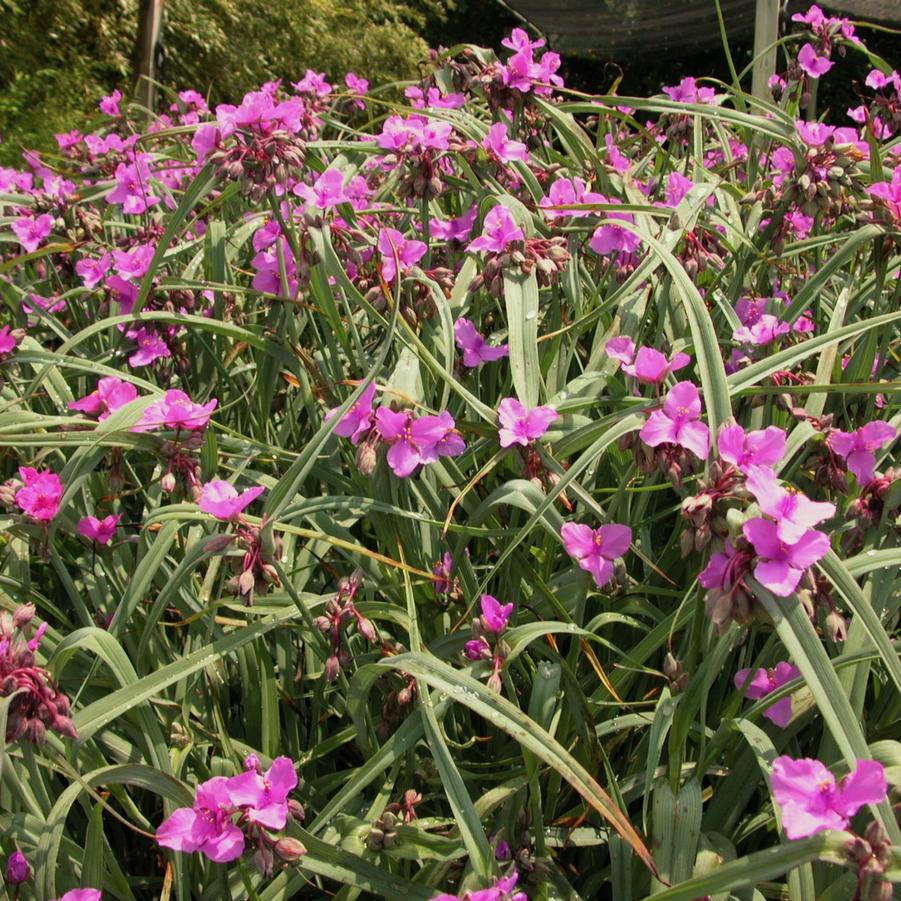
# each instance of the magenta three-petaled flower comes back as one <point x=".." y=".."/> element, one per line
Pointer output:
<point x="264" y="795"/>
<point x="793" y="511"/>
<point x="764" y="447"/>
<point x="208" y="826"/>
<point x="499" y="231"/>
<point x="596" y="549"/>
<point x="476" y="350"/>
<point x="100" y="531"/>
<point x="521" y="425"/>
<point x="780" y="565"/>
<point x="110" y="394"/>
<point x="858" y="448"/>
<point x="763" y="682"/>
<point x="417" y="441"/>
<point x="811" y="799"/>
<point x="221" y="499"/>
<point x="396" y="249"/>
<point x="495" y="615"/>
<point x="358" y="421"/>
<point x="175" y="410"/>
<point x="41" y="494"/>
<point x="679" y="422"/>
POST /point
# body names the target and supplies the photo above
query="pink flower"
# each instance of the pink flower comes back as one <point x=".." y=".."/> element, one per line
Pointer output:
<point x="814" y="134"/>
<point x="357" y="422"/>
<point x="494" y="614"/>
<point x="31" y="232"/>
<point x="392" y="243"/>
<point x="8" y="340"/>
<point x="765" y="681"/>
<point x="133" y="263"/>
<point x="765" y="330"/>
<point x="175" y="410"/>
<point x="265" y="795"/>
<point x="109" y="105"/>
<point x="652" y="367"/>
<point x="150" y="347"/>
<point x="889" y="193"/>
<point x="499" y="143"/>
<point x="47" y="304"/>
<point x="612" y="238"/>
<point x="476" y="350"/>
<point x="621" y="349"/>
<point x="519" y="425"/>
<point x="357" y="85"/>
<point x="81" y="894"/>
<point x="133" y="186"/>
<point x="499" y="230"/>
<point x="207" y="826"/>
<point x="327" y="191"/>
<point x="100" y="531"/>
<point x="93" y="272"/>
<point x="458" y="229"/>
<point x="41" y="494"/>
<point x="418" y="441"/>
<point x="313" y="83"/>
<point x="793" y="511"/>
<point x="596" y="549"/>
<point x="858" y="447"/>
<point x="220" y="499"/>
<point x="110" y="394"/>
<point x="687" y="91"/>
<point x="810" y="799"/>
<point x="569" y="192"/>
<point x="764" y="447"/>
<point x="123" y="293"/>
<point x="677" y="186"/>
<point x="780" y="566"/>
<point x="679" y="422"/>
<point x="812" y="63"/>
<point x="433" y="98"/>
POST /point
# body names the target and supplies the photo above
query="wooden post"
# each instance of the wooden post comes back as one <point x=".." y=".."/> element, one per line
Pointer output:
<point x="766" y="32"/>
<point x="150" y="17"/>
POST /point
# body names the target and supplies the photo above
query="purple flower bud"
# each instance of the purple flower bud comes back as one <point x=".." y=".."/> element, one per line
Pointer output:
<point x="252" y="764"/>
<point x="17" y="868"/>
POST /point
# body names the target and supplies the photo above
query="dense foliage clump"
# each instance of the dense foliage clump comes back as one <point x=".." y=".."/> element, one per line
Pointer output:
<point x="489" y="496"/>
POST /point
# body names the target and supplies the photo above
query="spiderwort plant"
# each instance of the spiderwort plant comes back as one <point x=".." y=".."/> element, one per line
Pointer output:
<point x="646" y="347"/>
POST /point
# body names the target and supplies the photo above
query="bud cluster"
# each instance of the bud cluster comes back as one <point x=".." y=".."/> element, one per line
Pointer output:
<point x="339" y="611"/>
<point x="546" y="257"/>
<point x="261" y="164"/>
<point x="254" y="571"/>
<point x="37" y="704"/>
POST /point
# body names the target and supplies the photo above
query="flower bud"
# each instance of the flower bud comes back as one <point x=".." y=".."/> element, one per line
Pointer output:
<point x="264" y="860"/>
<point x="289" y="849"/>
<point x="17" y="868"/>
<point x="836" y="627"/>
<point x="332" y="668"/>
<point x="167" y="482"/>
<point x="246" y="582"/>
<point x="296" y="811"/>
<point x="367" y="458"/>
<point x="366" y="629"/>
<point x="23" y="615"/>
